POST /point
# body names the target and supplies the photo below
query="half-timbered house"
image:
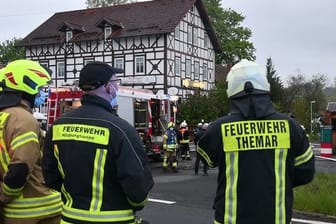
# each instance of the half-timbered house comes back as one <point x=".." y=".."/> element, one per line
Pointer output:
<point x="160" y="44"/>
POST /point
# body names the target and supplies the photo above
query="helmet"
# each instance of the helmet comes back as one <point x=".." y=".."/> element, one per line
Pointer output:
<point x="200" y="125"/>
<point x="170" y="124"/>
<point x="205" y="125"/>
<point x="25" y="76"/>
<point x="183" y="124"/>
<point x="243" y="72"/>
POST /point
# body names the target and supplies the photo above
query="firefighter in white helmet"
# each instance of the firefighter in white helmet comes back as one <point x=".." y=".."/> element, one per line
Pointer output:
<point x="261" y="154"/>
<point x="183" y="140"/>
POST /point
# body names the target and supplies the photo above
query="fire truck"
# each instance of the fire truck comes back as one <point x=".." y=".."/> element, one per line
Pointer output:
<point x="149" y="113"/>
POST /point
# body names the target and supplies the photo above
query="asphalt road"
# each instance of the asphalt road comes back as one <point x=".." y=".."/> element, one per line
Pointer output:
<point x="183" y="198"/>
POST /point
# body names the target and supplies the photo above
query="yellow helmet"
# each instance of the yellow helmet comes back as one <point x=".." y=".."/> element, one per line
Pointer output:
<point x="170" y="124"/>
<point x="25" y="76"/>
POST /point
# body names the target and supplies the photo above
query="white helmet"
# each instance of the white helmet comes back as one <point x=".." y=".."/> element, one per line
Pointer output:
<point x="183" y="124"/>
<point x="246" y="71"/>
<point x="199" y="125"/>
<point x="205" y="126"/>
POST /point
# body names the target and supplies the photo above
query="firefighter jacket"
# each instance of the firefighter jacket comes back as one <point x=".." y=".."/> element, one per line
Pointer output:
<point x="170" y="140"/>
<point x="183" y="136"/>
<point x="261" y="155"/>
<point x="98" y="162"/>
<point x="23" y="194"/>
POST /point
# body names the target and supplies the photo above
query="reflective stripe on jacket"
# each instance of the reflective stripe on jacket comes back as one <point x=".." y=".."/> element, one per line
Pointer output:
<point x="97" y="161"/>
<point x="24" y="195"/>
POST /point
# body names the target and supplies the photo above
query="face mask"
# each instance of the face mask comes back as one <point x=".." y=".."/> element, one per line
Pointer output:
<point x="114" y="101"/>
<point x="40" y="98"/>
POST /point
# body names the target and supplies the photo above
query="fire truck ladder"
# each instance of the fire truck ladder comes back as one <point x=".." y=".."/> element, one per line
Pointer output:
<point x="52" y="109"/>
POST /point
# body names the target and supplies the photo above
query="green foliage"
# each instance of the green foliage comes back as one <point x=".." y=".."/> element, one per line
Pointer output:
<point x="9" y="51"/>
<point x="299" y="94"/>
<point x="318" y="196"/>
<point x="276" y="86"/>
<point x="104" y="3"/>
<point x="208" y="107"/>
<point x="232" y="36"/>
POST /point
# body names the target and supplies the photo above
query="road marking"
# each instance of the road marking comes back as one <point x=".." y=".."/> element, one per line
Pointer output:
<point x="310" y="221"/>
<point x="162" y="201"/>
<point x="326" y="158"/>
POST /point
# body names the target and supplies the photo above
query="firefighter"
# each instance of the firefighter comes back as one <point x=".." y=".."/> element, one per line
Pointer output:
<point x="183" y="140"/>
<point x="24" y="199"/>
<point x="170" y="146"/>
<point x="95" y="158"/>
<point x="198" y="135"/>
<point x="261" y="154"/>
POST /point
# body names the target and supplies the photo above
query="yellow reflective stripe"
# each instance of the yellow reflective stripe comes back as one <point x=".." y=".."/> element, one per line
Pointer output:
<point x="304" y="157"/>
<point x="215" y="222"/>
<point x="98" y="216"/>
<point x="3" y="118"/>
<point x="255" y="135"/>
<point x="67" y="196"/>
<point x="98" y="180"/>
<point x="184" y="141"/>
<point x="12" y="191"/>
<point x="4" y="156"/>
<point x="280" y="185"/>
<point x="22" y="202"/>
<point x="33" y="212"/>
<point x="79" y="132"/>
<point x="231" y="172"/>
<point x="59" y="164"/>
<point x="24" y="138"/>
<point x="134" y="204"/>
<point x="33" y="207"/>
<point x="205" y="156"/>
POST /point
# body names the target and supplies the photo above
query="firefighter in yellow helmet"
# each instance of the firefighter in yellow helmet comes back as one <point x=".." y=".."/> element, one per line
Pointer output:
<point x="170" y="147"/>
<point x="261" y="154"/>
<point x="24" y="199"/>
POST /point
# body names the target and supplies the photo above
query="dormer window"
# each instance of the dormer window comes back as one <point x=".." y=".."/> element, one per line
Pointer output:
<point x="107" y="32"/>
<point x="68" y="35"/>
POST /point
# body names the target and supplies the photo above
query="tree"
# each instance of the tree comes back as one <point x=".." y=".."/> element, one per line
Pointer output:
<point x="9" y="51"/>
<point x="103" y="3"/>
<point x="299" y="94"/>
<point x="276" y="86"/>
<point x="232" y="36"/>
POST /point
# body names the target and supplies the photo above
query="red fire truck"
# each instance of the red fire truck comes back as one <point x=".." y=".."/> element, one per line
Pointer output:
<point x="146" y="111"/>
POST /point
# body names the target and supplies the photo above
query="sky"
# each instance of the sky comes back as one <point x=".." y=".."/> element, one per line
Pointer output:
<point x="299" y="35"/>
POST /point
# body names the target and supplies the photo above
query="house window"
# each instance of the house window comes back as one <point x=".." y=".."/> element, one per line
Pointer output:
<point x="107" y="32"/>
<point x="177" y="32"/>
<point x="60" y="69"/>
<point x="177" y="66"/>
<point x="68" y="36"/>
<point x="205" y="70"/>
<point x="88" y="60"/>
<point x="206" y="40"/>
<point x="119" y="63"/>
<point x="188" y="67"/>
<point x="195" y="36"/>
<point x="189" y="34"/>
<point x="140" y="65"/>
<point x="197" y="70"/>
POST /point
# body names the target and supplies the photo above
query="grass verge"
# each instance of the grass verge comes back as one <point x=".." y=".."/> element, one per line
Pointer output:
<point x="319" y="196"/>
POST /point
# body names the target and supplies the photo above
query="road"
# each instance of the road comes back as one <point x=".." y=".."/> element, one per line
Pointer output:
<point x="182" y="197"/>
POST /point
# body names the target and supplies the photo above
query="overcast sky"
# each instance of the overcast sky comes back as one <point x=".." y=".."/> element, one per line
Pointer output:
<point x="299" y="35"/>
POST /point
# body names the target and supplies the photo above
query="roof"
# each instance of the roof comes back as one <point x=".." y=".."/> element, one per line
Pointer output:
<point x="331" y="107"/>
<point x="135" y="19"/>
